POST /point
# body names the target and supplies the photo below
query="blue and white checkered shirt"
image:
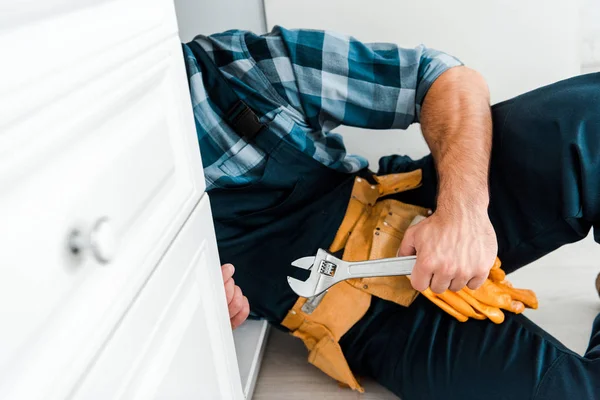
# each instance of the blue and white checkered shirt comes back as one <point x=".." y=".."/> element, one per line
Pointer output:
<point x="305" y="83"/>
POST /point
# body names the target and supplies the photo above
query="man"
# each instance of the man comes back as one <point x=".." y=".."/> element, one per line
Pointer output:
<point x="282" y="186"/>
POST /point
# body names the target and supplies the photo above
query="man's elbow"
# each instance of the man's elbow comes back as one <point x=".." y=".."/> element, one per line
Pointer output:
<point x="463" y="78"/>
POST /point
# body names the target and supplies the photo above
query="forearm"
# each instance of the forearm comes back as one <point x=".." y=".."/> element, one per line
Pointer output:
<point x="457" y="125"/>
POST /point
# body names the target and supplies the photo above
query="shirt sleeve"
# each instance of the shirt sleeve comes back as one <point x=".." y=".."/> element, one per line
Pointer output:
<point x="333" y="79"/>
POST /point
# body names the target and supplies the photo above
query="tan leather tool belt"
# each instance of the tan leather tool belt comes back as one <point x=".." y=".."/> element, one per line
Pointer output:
<point x="372" y="228"/>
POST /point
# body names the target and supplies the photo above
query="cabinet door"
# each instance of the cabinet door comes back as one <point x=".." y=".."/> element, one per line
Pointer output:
<point x="175" y="342"/>
<point x="96" y="132"/>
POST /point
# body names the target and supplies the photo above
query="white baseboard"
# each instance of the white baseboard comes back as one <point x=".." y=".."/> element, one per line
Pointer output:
<point x="250" y="341"/>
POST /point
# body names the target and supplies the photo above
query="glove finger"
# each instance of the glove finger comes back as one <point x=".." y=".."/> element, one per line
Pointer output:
<point x="443" y="305"/>
<point x="516" y="307"/>
<point x="493" y="313"/>
<point x="496" y="273"/>
<point x="525" y="296"/>
<point x="490" y="294"/>
<point x="498" y="295"/>
<point x="497" y="264"/>
<point x="505" y="282"/>
<point x="460" y="305"/>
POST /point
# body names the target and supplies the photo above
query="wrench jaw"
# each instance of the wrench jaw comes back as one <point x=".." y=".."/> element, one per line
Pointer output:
<point x="321" y="275"/>
<point x="313" y="286"/>
<point x="302" y="288"/>
<point x="304" y="262"/>
<point x="326" y="270"/>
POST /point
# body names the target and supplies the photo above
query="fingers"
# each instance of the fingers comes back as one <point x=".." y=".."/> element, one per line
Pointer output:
<point x="440" y="282"/>
<point x="407" y="247"/>
<point x="455" y="249"/>
<point x="229" y="289"/>
<point x="421" y="275"/>
<point x="476" y="282"/>
<point x="449" y="278"/>
<point x="236" y="303"/>
<point x="242" y="314"/>
<point x="227" y="270"/>
<point x="442" y="275"/>
<point x="458" y="282"/>
<point x="496" y="273"/>
<point x="437" y="273"/>
<point x="239" y="308"/>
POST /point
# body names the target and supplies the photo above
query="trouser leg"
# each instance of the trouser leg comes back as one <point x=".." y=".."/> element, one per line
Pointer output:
<point x="420" y="352"/>
<point x="544" y="172"/>
<point x="545" y="169"/>
<point x="545" y="192"/>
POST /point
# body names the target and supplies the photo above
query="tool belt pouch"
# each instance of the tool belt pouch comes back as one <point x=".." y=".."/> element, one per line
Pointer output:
<point x="371" y="229"/>
<point x="322" y="327"/>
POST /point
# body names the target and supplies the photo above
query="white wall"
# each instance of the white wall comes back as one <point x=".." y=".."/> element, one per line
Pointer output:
<point x="517" y="45"/>
<point x="212" y="16"/>
<point x="590" y="24"/>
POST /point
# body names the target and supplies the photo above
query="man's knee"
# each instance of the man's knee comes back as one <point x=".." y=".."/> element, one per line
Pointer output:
<point x="554" y="122"/>
<point x="574" y="103"/>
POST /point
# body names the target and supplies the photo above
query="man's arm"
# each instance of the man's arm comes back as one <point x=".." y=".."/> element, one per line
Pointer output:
<point x="333" y="80"/>
<point x="457" y="245"/>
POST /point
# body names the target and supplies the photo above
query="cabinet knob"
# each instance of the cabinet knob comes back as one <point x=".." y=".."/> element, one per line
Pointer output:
<point x="101" y="241"/>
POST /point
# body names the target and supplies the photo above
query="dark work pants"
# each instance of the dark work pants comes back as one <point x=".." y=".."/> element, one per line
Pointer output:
<point x="545" y="192"/>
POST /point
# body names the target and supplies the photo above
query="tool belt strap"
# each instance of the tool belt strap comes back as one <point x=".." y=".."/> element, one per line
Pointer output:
<point x="372" y="228"/>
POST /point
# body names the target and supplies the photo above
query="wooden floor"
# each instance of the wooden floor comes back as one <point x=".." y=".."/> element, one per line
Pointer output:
<point x="564" y="282"/>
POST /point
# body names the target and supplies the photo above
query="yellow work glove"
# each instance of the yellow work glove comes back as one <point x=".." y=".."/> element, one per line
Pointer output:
<point x="488" y="301"/>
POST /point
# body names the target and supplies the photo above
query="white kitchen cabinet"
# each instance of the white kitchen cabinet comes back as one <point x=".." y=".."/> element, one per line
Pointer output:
<point x="176" y="327"/>
<point x="110" y="283"/>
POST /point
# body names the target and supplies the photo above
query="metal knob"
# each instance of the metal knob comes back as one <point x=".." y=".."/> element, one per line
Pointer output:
<point x="101" y="241"/>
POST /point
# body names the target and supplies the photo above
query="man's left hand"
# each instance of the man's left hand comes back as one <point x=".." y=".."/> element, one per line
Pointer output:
<point x="237" y="303"/>
<point x="454" y="248"/>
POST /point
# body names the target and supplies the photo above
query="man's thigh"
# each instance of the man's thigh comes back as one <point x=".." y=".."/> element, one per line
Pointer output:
<point x="544" y="170"/>
<point x="420" y="352"/>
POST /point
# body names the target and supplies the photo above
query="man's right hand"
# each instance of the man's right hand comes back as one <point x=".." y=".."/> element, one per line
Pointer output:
<point x="238" y="305"/>
<point x="454" y="249"/>
<point x="456" y="246"/>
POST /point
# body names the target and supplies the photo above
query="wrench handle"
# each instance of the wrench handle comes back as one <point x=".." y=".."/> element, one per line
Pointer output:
<point x="382" y="267"/>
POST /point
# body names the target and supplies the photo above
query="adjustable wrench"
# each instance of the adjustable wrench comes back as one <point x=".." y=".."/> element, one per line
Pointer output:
<point x="327" y="270"/>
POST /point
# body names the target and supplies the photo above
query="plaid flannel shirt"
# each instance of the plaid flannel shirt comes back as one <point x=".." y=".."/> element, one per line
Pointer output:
<point x="304" y="84"/>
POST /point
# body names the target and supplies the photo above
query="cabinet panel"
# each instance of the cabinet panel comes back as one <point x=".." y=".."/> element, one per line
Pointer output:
<point x="175" y="342"/>
<point x="121" y="148"/>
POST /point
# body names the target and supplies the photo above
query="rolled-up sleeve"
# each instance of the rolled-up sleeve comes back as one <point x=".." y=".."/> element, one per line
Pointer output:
<point x="337" y="80"/>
